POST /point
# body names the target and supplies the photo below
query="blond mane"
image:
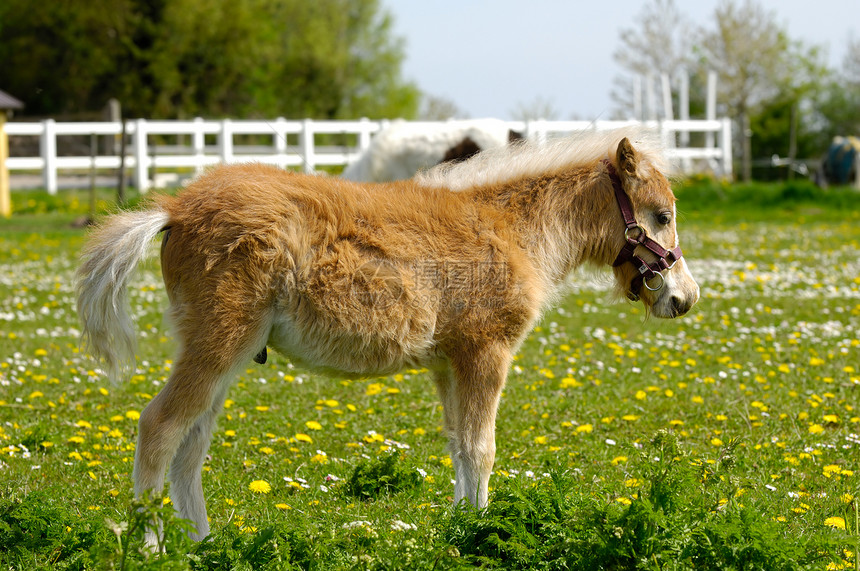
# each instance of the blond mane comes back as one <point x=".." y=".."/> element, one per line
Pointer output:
<point x="528" y="159"/>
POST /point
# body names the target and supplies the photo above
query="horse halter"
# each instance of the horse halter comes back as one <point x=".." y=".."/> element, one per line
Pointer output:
<point x="636" y="236"/>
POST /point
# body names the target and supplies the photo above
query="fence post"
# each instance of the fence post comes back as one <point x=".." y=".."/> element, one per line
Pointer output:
<point x="857" y="170"/>
<point x="5" y="192"/>
<point x="307" y="143"/>
<point x="726" y="142"/>
<point x="141" y="156"/>
<point x="199" y="143"/>
<point x="711" y="107"/>
<point x="48" y="150"/>
<point x="536" y="130"/>
<point x="225" y="141"/>
<point x="364" y="135"/>
<point x="281" y="142"/>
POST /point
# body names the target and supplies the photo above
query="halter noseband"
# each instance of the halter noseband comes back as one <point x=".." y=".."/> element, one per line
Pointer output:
<point x="635" y="235"/>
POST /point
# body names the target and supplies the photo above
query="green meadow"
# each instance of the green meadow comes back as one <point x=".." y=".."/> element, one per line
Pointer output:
<point x="727" y="439"/>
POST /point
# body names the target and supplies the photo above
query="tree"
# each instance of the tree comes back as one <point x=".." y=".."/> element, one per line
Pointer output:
<point x="435" y="108"/>
<point x="660" y="45"/>
<point x="785" y="124"/>
<point x="838" y="103"/>
<point x="242" y="58"/>
<point x="748" y="50"/>
<point x="537" y="108"/>
<point x="851" y="63"/>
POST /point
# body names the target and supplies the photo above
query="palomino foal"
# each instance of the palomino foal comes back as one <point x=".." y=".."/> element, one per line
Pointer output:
<point x="448" y="271"/>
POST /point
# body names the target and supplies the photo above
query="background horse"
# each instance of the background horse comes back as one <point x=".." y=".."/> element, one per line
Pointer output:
<point x="403" y="148"/>
<point x="449" y="271"/>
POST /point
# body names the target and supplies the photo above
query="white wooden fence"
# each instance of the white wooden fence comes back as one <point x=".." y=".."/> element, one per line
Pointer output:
<point x="144" y="157"/>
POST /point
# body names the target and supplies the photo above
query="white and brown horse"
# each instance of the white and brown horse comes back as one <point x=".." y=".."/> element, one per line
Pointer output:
<point x="449" y="271"/>
<point x="403" y="148"/>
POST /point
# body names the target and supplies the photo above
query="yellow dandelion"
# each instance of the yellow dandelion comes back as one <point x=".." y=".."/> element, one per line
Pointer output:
<point x="641" y="395"/>
<point x="36" y="394"/>
<point x="132" y="414"/>
<point x="586" y="428"/>
<point x="629" y="417"/>
<point x="816" y="429"/>
<point x="836" y="522"/>
<point x="260" y="487"/>
<point x="75" y="440"/>
<point x="618" y="459"/>
<point x="313" y="425"/>
<point x="283" y="507"/>
<point x="716" y="442"/>
<point x="303" y="438"/>
<point x="831" y="469"/>
<point x="262" y="408"/>
<point x="624" y="501"/>
<point x="540" y="440"/>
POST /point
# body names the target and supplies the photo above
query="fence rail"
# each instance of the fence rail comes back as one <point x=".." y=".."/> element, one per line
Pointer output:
<point x="145" y="157"/>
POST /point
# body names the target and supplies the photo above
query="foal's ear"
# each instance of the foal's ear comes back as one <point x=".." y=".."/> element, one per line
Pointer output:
<point x="628" y="159"/>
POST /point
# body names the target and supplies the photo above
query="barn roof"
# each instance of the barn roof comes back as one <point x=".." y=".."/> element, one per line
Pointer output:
<point x="9" y="102"/>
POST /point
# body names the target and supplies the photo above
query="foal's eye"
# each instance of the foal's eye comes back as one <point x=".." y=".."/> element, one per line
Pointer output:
<point x="664" y="218"/>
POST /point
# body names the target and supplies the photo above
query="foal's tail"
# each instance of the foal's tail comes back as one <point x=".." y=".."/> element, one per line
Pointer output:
<point x="112" y="253"/>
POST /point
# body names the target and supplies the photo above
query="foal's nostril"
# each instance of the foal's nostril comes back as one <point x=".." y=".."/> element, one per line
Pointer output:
<point x="679" y="306"/>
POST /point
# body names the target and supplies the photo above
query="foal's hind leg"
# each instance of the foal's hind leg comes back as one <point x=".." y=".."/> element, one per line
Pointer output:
<point x="177" y="423"/>
<point x="186" y="486"/>
<point x="164" y="425"/>
<point x="479" y="376"/>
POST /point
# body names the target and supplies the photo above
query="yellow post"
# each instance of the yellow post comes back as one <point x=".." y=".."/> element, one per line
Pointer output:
<point x="5" y="196"/>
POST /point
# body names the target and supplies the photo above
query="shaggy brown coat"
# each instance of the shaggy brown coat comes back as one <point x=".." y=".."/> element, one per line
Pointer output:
<point x="449" y="271"/>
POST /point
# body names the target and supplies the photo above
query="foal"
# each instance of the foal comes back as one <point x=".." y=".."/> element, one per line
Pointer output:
<point x="448" y="271"/>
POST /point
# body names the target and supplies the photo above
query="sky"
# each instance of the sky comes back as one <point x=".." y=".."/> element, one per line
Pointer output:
<point x="491" y="56"/>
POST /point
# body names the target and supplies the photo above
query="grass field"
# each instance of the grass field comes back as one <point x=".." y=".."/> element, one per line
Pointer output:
<point x="728" y="439"/>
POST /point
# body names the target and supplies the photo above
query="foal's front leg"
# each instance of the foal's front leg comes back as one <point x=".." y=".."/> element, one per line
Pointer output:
<point x="448" y="395"/>
<point x="479" y="376"/>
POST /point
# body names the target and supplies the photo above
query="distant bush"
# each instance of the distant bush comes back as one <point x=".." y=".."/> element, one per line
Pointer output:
<point x="701" y="193"/>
